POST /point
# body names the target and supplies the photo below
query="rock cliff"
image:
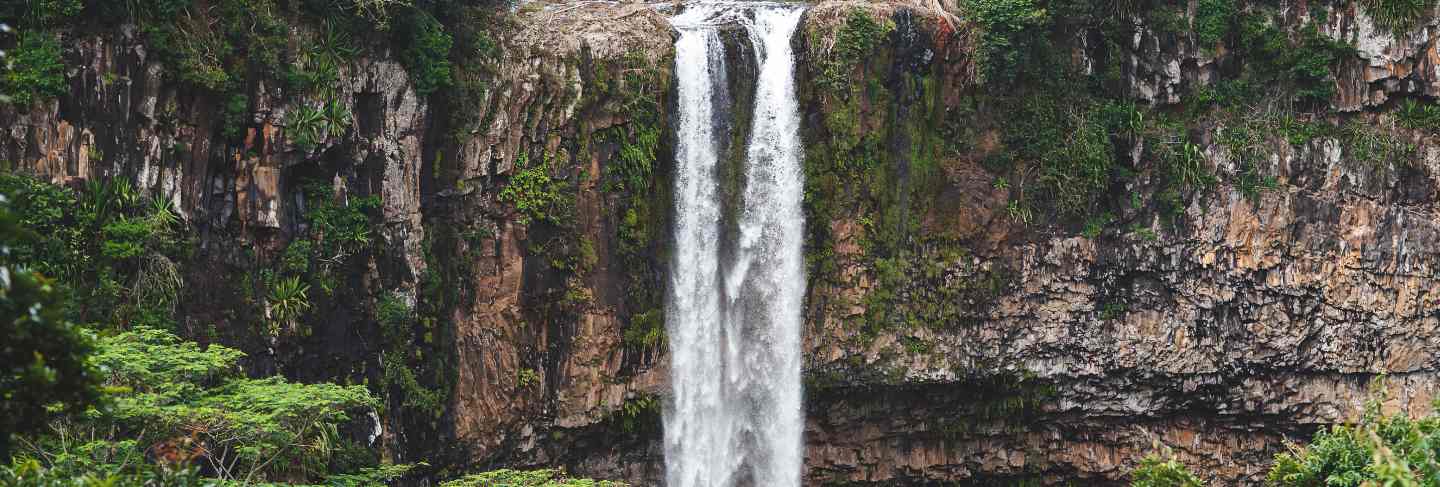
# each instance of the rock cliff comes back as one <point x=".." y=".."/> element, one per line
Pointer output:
<point x="1234" y="280"/>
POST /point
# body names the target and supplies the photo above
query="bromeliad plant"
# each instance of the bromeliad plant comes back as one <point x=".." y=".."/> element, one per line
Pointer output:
<point x="310" y="126"/>
<point x="316" y="74"/>
<point x="1398" y="16"/>
<point x="307" y="127"/>
<point x="287" y="302"/>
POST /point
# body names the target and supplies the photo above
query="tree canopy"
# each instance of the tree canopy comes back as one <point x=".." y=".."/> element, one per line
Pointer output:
<point x="43" y="364"/>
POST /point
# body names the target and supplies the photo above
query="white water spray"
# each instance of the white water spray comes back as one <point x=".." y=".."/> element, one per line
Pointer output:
<point x="735" y="417"/>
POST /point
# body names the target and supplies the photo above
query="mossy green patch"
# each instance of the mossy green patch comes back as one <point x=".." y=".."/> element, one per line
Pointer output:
<point x="537" y="196"/>
<point x="857" y="38"/>
<point x="1014" y="31"/>
<point x="634" y="182"/>
<point x="1010" y="401"/>
<point x="36" y="71"/>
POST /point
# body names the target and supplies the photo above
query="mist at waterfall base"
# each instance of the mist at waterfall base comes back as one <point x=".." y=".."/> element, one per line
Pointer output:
<point x="734" y="308"/>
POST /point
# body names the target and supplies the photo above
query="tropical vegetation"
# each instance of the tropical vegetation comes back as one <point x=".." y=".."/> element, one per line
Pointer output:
<point x="1380" y="450"/>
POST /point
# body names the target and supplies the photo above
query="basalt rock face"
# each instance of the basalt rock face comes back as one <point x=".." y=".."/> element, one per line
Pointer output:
<point x="520" y="316"/>
<point x="1033" y="351"/>
<point x="126" y="118"/>
<point x="948" y="339"/>
<point x="544" y="363"/>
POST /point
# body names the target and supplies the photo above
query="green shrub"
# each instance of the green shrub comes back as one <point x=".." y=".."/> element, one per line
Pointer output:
<point x="236" y="117"/>
<point x="317" y="70"/>
<point x="220" y="46"/>
<point x="43" y="357"/>
<point x="427" y="53"/>
<point x="32" y="14"/>
<point x="526" y="377"/>
<point x="398" y="321"/>
<point x="1367" y="143"/>
<point x="413" y="394"/>
<point x="1301" y="68"/>
<point x="1380" y="450"/>
<point x="638" y="414"/>
<point x="37" y="71"/>
<point x="1095" y="225"/>
<point x="1069" y="140"/>
<point x="532" y="478"/>
<point x="80" y="470"/>
<point x="1157" y="472"/>
<point x="197" y="49"/>
<point x="125" y="238"/>
<point x="535" y="195"/>
<point x="1079" y="174"/>
<point x="340" y="228"/>
<point x="854" y="44"/>
<point x="377" y="476"/>
<point x="1424" y="115"/>
<point x="1012" y="31"/>
<point x="1212" y="21"/>
<point x="120" y="245"/>
<point x="377" y="12"/>
<point x="1296" y="66"/>
<point x="58" y="248"/>
<point x="1184" y="167"/>
<point x="93" y="466"/>
<point x="646" y="329"/>
<point x="296" y="259"/>
<point x="637" y="159"/>
<point x="1309" y="65"/>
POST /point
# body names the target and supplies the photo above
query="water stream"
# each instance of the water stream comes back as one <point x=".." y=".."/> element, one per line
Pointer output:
<point x="734" y="312"/>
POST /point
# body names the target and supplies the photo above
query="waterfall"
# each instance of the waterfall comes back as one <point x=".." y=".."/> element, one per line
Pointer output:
<point x="734" y="317"/>
<point x="698" y="422"/>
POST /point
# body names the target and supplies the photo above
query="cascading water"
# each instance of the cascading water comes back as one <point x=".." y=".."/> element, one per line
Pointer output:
<point x="734" y="317"/>
<point x="698" y="423"/>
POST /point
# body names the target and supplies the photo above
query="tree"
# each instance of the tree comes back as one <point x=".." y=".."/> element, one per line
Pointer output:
<point x="43" y="357"/>
<point x="174" y="405"/>
<point x="179" y="413"/>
